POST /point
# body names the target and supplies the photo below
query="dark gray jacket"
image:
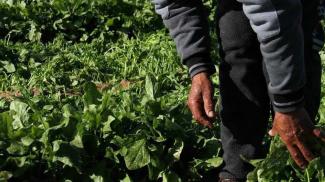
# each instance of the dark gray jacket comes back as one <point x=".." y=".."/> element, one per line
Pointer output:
<point x="277" y="24"/>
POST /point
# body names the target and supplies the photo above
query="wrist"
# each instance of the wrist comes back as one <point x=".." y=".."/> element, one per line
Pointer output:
<point x="300" y="115"/>
<point x="201" y="76"/>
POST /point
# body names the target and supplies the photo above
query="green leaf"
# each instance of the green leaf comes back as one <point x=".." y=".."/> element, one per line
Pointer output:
<point x="149" y="88"/>
<point x="110" y="154"/>
<point x="5" y="124"/>
<point x="20" y="162"/>
<point x="3" y="145"/>
<point x="107" y="124"/>
<point x="211" y="147"/>
<point x="2" y="103"/>
<point x="48" y="107"/>
<point x="315" y="169"/>
<point x="67" y="110"/>
<point x="16" y="149"/>
<point x="177" y="149"/>
<point x="20" y="114"/>
<point x="10" y="68"/>
<point x="27" y="141"/>
<point x="92" y="95"/>
<point x="171" y="177"/>
<point x="255" y="162"/>
<point x="126" y="179"/>
<point x="33" y="34"/>
<point x="137" y="155"/>
<point x="154" y="172"/>
<point x="77" y="141"/>
<point x="97" y="178"/>
<point x="273" y="167"/>
<point x="67" y="154"/>
<point x="5" y="175"/>
<point x="64" y="159"/>
<point x="214" y="162"/>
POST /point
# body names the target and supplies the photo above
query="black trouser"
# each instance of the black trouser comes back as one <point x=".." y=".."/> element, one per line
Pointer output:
<point x="245" y="104"/>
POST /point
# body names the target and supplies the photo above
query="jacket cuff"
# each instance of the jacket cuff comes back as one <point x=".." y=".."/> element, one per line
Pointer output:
<point x="199" y="64"/>
<point x="288" y="102"/>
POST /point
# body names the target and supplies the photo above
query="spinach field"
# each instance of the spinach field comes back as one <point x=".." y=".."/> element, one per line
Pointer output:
<point x="93" y="90"/>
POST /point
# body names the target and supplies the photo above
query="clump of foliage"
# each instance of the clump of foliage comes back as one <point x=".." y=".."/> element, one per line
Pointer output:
<point x="76" y="20"/>
<point x="94" y="91"/>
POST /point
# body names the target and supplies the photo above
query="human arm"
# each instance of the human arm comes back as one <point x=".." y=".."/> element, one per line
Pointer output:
<point x="277" y="24"/>
<point x="188" y="26"/>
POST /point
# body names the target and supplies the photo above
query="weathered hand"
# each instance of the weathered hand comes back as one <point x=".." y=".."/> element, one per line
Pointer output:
<point x="200" y="100"/>
<point x="295" y="130"/>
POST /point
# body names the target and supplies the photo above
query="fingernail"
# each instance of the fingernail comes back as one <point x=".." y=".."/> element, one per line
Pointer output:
<point x="211" y="114"/>
<point x="271" y="133"/>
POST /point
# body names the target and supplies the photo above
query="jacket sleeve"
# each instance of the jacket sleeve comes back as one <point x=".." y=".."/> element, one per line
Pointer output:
<point x="277" y="24"/>
<point x="188" y="26"/>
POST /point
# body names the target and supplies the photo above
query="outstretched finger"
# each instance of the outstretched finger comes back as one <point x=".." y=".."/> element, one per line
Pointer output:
<point x="297" y="156"/>
<point x="319" y="133"/>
